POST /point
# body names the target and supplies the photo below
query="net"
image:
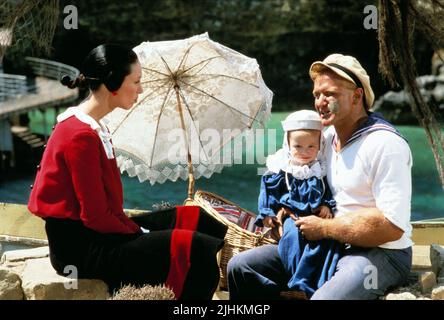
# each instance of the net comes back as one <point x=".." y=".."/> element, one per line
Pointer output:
<point x="28" y="24"/>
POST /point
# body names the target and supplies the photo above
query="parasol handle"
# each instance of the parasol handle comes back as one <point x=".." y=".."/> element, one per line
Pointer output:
<point x="190" y="178"/>
<point x="190" y="165"/>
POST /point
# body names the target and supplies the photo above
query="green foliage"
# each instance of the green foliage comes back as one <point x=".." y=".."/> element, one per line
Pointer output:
<point x="327" y="15"/>
<point x="285" y="36"/>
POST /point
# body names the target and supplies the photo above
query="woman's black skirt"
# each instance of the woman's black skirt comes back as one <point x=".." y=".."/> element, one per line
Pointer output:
<point x="179" y="251"/>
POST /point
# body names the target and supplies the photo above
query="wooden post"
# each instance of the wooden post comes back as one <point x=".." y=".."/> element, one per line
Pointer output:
<point x="45" y="132"/>
<point x="56" y="112"/>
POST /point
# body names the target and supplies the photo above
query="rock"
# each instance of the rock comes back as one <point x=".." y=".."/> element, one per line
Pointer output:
<point x="25" y="254"/>
<point x="438" y="95"/>
<point x="437" y="258"/>
<point x="221" y="295"/>
<point x="427" y="280"/>
<point x="395" y="107"/>
<point x="41" y="282"/>
<point x="421" y="257"/>
<point x="10" y="285"/>
<point x="427" y="81"/>
<point x="400" y="296"/>
<point x="440" y="277"/>
<point x="438" y="293"/>
<point x="437" y="63"/>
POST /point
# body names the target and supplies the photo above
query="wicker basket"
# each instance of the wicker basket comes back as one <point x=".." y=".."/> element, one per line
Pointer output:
<point x="237" y="239"/>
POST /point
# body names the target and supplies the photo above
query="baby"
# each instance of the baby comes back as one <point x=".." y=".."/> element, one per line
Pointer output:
<point x="296" y="185"/>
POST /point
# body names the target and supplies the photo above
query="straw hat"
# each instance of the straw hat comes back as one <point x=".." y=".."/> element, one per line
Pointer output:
<point x="348" y="68"/>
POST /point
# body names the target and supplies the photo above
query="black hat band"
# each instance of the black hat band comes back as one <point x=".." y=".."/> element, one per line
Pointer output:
<point x="349" y="73"/>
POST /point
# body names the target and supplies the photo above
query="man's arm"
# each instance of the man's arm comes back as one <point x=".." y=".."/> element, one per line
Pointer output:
<point x="364" y="228"/>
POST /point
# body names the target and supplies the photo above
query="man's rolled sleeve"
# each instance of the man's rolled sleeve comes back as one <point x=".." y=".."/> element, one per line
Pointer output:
<point x="392" y="184"/>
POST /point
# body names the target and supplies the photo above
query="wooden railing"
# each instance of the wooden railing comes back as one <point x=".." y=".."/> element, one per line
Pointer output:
<point x="51" y="69"/>
<point x="12" y="85"/>
<point x="16" y="85"/>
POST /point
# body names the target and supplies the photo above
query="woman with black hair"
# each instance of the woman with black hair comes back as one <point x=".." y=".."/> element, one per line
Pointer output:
<point x="78" y="192"/>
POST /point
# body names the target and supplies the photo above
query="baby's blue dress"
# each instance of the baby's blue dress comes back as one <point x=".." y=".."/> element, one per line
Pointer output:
<point x="309" y="263"/>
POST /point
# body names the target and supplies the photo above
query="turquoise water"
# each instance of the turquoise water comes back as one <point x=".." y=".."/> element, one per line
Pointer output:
<point x="9" y="246"/>
<point x="240" y="183"/>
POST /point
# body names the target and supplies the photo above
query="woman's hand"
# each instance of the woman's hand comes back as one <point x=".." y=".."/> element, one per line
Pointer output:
<point x="325" y="213"/>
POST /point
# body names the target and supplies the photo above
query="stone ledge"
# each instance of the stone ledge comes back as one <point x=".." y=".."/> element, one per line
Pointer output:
<point x="25" y="254"/>
<point x="28" y="274"/>
<point x="10" y="285"/>
<point x="426" y="281"/>
<point x="421" y="257"/>
<point x="437" y="258"/>
<point x="41" y="282"/>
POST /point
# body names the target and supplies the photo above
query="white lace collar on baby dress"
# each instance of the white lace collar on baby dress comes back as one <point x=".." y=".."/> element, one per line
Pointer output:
<point x="100" y="127"/>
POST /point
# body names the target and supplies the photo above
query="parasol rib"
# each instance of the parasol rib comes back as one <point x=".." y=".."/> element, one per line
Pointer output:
<point x="199" y="63"/>
<point x="156" y="71"/>
<point x="136" y="106"/>
<point x="165" y="80"/>
<point x="197" y="72"/>
<point x="218" y="75"/>
<point x="166" y="64"/>
<point x="158" y="121"/>
<point x="185" y="56"/>
<point x="218" y="100"/>
<point x="192" y="121"/>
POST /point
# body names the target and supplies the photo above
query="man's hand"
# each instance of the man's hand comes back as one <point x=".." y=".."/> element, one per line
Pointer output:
<point x="325" y="212"/>
<point x="312" y="227"/>
<point x="364" y="228"/>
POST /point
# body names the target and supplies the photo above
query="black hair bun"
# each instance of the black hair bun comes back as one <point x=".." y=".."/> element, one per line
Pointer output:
<point x="79" y="82"/>
<point x="66" y="80"/>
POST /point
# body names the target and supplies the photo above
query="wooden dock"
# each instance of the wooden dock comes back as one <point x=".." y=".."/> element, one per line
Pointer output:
<point x="50" y="93"/>
<point x="19" y="146"/>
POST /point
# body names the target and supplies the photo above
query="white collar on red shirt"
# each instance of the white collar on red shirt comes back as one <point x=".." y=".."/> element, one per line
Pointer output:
<point x="100" y="127"/>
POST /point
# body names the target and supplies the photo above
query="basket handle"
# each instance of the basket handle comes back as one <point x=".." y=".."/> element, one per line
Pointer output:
<point x="258" y="240"/>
